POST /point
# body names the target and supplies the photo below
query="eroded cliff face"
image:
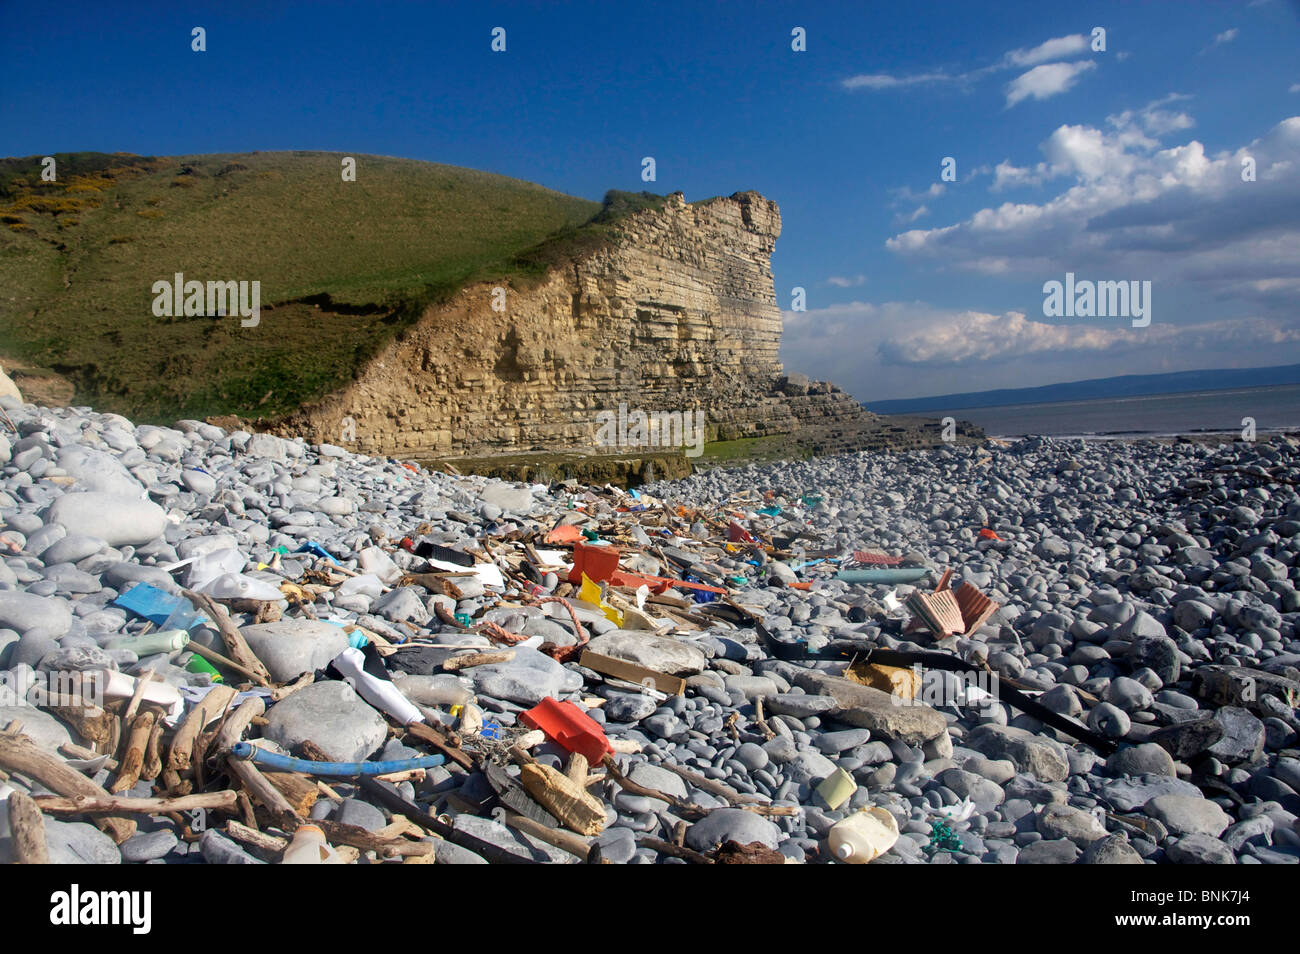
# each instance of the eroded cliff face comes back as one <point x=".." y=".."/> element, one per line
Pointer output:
<point x="679" y="314"/>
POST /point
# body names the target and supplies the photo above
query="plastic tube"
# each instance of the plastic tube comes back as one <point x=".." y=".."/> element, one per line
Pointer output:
<point x="287" y="763"/>
<point x="380" y="693"/>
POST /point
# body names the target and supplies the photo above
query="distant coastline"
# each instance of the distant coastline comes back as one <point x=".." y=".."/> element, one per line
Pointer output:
<point x="1098" y="389"/>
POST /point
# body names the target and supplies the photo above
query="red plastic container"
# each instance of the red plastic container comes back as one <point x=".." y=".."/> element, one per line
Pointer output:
<point x="570" y="727"/>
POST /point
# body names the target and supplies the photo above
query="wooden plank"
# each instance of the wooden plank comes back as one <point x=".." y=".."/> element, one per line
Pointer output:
<point x="622" y="669"/>
<point x="27" y="830"/>
<point x="19" y="754"/>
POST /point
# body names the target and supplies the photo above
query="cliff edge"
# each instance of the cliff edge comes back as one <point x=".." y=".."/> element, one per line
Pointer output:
<point x="677" y="312"/>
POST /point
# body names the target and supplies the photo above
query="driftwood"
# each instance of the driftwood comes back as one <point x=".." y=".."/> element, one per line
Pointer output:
<point x="223" y="801"/>
<point x="302" y="682"/>
<point x="212" y="656"/>
<point x="712" y="786"/>
<point x="298" y="790"/>
<point x="556" y="837"/>
<point x="20" y="754"/>
<point x="153" y="765"/>
<point x="684" y="807"/>
<point x="675" y="851"/>
<point x="128" y="772"/>
<point x="437" y="741"/>
<point x="141" y="685"/>
<point x="358" y="837"/>
<point x="183" y="741"/>
<point x="631" y="672"/>
<point x="91" y="722"/>
<point x="245" y="771"/>
<point x="576" y="808"/>
<point x="467" y="660"/>
<point x="236" y="645"/>
<point x="270" y="844"/>
<point x="27" y="830"/>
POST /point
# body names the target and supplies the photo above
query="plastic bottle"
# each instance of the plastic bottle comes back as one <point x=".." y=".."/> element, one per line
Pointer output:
<point x="163" y="641"/>
<point x="309" y="847"/>
<point x="863" y="836"/>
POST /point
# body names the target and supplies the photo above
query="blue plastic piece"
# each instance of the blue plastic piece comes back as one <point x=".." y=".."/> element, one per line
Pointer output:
<point x="315" y="548"/>
<point x="358" y="640"/>
<point x="287" y="763"/>
<point x="158" y="606"/>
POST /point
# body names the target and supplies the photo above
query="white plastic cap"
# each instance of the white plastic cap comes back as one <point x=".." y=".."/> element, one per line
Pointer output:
<point x="844" y="852"/>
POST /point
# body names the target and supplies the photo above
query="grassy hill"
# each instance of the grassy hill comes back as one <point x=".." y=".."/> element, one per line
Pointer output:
<point x="344" y="266"/>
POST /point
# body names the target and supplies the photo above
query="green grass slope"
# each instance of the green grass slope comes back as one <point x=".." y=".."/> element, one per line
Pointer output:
<point x="344" y="266"/>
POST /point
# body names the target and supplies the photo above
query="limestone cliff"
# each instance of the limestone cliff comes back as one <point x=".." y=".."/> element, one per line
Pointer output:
<point x="679" y="313"/>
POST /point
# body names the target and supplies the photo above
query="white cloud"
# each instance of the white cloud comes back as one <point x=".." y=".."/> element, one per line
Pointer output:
<point x="1295" y="88"/>
<point x="840" y="281"/>
<point x="886" y="81"/>
<point x="1046" y="81"/>
<point x="1132" y="209"/>
<point x="920" y="349"/>
<point x="1057" y="48"/>
<point x="1062" y="47"/>
<point x="1227" y="36"/>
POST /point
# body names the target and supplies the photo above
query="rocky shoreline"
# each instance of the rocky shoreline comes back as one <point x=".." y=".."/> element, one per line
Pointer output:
<point x="1147" y="591"/>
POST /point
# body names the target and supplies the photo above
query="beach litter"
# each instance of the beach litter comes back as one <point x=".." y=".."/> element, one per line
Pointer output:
<point x="355" y="660"/>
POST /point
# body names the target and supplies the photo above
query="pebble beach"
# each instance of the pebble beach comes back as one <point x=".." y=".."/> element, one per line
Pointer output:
<point x="1145" y="590"/>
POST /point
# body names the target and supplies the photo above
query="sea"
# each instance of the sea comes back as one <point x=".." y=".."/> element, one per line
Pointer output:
<point x="1275" y="408"/>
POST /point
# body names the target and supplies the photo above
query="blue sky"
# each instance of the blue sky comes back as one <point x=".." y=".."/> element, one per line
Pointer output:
<point x="1122" y="164"/>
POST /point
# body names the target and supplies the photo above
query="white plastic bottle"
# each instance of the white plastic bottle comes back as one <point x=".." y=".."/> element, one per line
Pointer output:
<point x="863" y="836"/>
<point x="309" y="847"/>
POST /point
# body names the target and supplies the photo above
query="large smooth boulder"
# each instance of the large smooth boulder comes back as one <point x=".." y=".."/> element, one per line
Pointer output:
<point x="117" y="520"/>
<point x="660" y="653"/>
<point x="289" y="648"/>
<point x="330" y="714"/>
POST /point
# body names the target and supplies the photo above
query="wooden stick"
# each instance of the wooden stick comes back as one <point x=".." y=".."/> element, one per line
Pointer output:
<point x="208" y="710"/>
<point x="302" y="682"/>
<point x="153" y="766"/>
<point x="272" y="844"/>
<point x="556" y="837"/>
<point x="27" y="830"/>
<point x="236" y="645"/>
<point x="91" y="722"/>
<point x="141" y="684"/>
<point x="57" y="805"/>
<point x="576" y="770"/>
<point x="245" y="771"/>
<point x="467" y="660"/>
<point x="211" y="655"/>
<point x="133" y="758"/>
<point x="297" y="789"/>
<point x="19" y="754"/>
<point x="712" y="786"/>
<point x="766" y="729"/>
<point x="667" y="848"/>
<point x="432" y="737"/>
